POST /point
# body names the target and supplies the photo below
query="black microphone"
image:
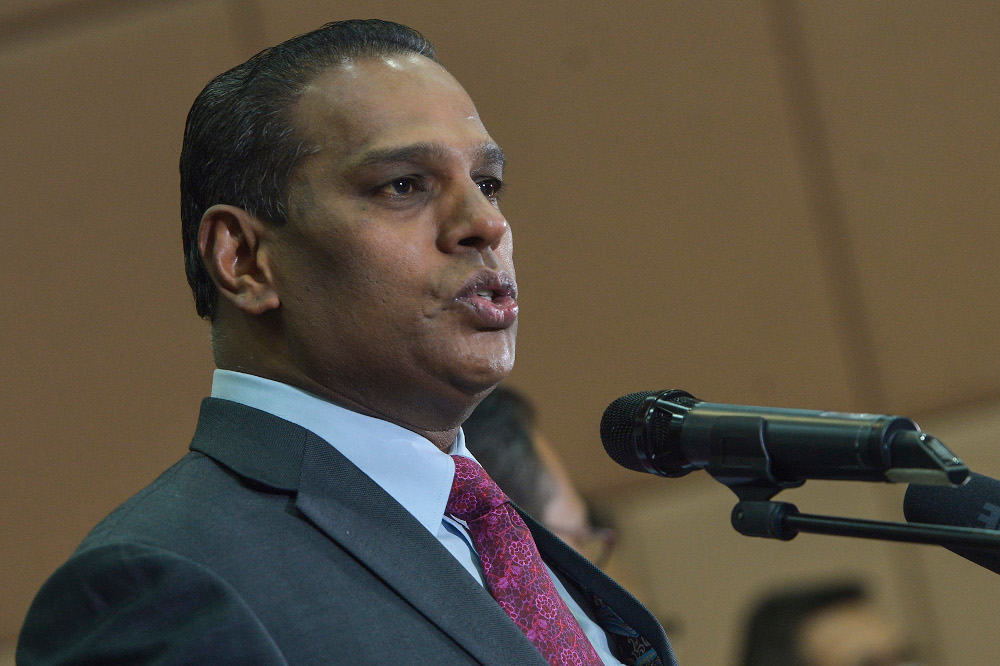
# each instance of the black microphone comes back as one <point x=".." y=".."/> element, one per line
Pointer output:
<point x="672" y="433"/>
<point x="975" y="504"/>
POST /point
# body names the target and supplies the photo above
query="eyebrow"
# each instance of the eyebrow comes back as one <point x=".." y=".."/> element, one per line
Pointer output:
<point x="487" y="153"/>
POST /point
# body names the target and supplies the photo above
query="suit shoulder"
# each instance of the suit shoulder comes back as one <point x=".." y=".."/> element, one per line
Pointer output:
<point x="127" y="601"/>
<point x="165" y="512"/>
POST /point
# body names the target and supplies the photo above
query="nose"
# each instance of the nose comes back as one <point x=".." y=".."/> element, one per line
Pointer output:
<point x="473" y="221"/>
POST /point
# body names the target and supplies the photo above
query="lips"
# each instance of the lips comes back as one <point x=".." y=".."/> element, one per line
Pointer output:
<point x="491" y="299"/>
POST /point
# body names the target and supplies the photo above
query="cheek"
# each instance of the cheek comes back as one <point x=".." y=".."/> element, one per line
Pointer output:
<point x="362" y="266"/>
<point x="395" y="252"/>
<point x="321" y="288"/>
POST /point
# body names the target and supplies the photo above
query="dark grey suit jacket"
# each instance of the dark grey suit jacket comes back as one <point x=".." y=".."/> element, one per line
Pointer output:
<point x="264" y="545"/>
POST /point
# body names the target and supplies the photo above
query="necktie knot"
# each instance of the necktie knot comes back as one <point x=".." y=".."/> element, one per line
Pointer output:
<point x="473" y="492"/>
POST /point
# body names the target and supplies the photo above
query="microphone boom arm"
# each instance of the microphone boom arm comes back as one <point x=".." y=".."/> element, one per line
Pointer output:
<point x="782" y="520"/>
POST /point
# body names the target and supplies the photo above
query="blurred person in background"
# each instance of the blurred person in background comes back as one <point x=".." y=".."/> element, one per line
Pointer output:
<point x="502" y="433"/>
<point x="831" y="624"/>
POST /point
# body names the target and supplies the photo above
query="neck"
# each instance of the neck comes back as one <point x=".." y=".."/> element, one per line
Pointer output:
<point x="437" y="418"/>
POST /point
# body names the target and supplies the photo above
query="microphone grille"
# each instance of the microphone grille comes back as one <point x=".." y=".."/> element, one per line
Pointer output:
<point x="617" y="426"/>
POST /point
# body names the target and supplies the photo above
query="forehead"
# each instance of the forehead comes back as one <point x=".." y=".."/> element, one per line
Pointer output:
<point x="377" y="103"/>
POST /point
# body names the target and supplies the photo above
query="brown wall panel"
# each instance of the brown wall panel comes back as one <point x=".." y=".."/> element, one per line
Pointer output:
<point x="909" y="93"/>
<point x="105" y="361"/>
<point x="31" y="11"/>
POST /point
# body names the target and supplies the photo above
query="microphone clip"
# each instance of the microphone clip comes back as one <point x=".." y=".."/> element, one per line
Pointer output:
<point x="741" y="461"/>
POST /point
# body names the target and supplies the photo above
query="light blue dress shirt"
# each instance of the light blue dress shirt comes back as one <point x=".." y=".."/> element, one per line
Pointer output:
<point x="409" y="467"/>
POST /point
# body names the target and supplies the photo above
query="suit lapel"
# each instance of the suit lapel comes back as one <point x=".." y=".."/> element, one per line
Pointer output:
<point x="356" y="513"/>
<point x="353" y="511"/>
<point x="582" y="573"/>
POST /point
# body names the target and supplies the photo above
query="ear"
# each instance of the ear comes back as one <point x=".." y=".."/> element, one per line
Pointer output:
<point x="230" y="241"/>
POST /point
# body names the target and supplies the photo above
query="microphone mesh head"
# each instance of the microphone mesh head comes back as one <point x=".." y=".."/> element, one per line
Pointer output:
<point x="617" y="426"/>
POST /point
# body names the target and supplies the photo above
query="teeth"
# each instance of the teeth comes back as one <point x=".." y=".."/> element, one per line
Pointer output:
<point x="485" y="293"/>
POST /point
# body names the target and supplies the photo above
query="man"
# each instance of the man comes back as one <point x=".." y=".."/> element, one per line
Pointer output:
<point x="828" y="624"/>
<point x="342" y="234"/>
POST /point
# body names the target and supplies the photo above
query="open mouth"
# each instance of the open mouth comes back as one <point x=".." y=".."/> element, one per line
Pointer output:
<point x="489" y="286"/>
<point x="492" y="298"/>
<point x="493" y="295"/>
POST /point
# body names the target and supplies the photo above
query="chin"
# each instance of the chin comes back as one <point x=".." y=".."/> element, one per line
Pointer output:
<point x="479" y="369"/>
<point x="478" y="383"/>
<point x="479" y="386"/>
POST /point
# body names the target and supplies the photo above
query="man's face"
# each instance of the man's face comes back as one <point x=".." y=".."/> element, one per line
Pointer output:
<point x="394" y="270"/>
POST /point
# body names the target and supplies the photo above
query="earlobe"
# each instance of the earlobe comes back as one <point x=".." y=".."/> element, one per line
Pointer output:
<point x="230" y="241"/>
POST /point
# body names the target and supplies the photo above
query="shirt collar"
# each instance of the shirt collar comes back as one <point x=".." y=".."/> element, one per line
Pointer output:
<point x="406" y="465"/>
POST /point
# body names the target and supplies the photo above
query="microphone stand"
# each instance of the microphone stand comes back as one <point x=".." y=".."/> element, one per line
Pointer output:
<point x="781" y="520"/>
<point x="745" y="466"/>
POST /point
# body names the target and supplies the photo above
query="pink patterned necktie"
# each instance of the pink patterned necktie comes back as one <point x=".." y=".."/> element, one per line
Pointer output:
<point x="515" y="574"/>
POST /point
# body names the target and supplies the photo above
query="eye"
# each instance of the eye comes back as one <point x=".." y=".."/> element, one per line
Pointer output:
<point x="400" y="187"/>
<point x="490" y="187"/>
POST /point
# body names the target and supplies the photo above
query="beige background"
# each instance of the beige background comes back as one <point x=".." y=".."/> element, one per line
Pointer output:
<point x="761" y="202"/>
